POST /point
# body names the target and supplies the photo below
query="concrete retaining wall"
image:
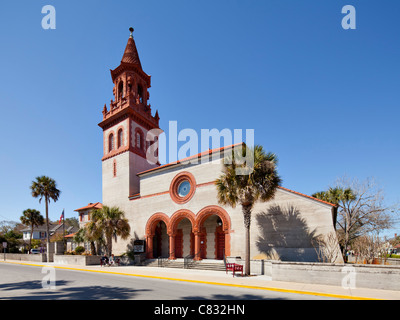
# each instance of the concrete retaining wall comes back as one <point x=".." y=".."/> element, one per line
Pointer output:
<point x="25" y="257"/>
<point x="386" y="277"/>
<point x="77" y="260"/>
<point x="361" y="276"/>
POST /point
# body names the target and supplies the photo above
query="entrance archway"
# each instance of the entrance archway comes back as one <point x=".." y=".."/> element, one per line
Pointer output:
<point x="182" y="236"/>
<point x="212" y="239"/>
<point x="157" y="244"/>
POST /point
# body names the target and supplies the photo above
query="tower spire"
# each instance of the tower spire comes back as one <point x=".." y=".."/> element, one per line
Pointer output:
<point x="131" y="54"/>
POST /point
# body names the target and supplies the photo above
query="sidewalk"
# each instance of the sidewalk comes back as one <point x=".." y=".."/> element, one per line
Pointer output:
<point x="221" y="278"/>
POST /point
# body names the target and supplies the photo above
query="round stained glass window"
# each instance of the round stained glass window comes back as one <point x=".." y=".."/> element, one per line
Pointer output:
<point x="184" y="188"/>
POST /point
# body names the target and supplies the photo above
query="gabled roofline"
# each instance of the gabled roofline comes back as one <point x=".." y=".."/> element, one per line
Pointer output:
<point x="96" y="205"/>
<point x="199" y="155"/>
<point x="307" y="196"/>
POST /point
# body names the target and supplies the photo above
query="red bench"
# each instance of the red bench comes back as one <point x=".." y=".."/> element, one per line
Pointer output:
<point x="234" y="267"/>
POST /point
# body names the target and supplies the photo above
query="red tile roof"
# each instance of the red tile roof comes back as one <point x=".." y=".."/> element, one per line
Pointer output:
<point x="199" y="155"/>
<point x="304" y="195"/>
<point x="97" y="205"/>
<point x="70" y="235"/>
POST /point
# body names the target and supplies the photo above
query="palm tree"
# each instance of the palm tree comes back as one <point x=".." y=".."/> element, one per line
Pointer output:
<point x="110" y="222"/>
<point x="89" y="233"/>
<point x="45" y="187"/>
<point x="32" y="218"/>
<point x="259" y="183"/>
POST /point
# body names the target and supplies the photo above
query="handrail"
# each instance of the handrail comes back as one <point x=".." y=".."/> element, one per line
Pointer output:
<point x="161" y="261"/>
<point x="186" y="261"/>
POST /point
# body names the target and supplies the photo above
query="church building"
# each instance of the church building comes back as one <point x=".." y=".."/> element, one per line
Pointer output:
<point x="174" y="208"/>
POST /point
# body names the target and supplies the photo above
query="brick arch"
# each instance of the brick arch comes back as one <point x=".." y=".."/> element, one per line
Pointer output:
<point x="202" y="215"/>
<point x="208" y="211"/>
<point x="150" y="230"/>
<point x="179" y="215"/>
<point x="153" y="220"/>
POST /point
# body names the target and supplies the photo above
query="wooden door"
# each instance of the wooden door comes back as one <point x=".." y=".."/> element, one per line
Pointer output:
<point x="203" y="244"/>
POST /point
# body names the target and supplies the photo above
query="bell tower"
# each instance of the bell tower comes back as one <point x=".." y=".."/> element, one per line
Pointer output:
<point x="125" y="125"/>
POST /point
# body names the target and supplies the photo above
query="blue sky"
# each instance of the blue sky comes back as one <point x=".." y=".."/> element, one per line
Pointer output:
<point x="324" y="99"/>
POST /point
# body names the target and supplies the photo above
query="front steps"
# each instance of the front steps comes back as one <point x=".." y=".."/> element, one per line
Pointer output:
<point x="206" y="264"/>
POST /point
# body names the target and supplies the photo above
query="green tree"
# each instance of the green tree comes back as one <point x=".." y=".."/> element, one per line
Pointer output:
<point x="257" y="181"/>
<point x="110" y="223"/>
<point x="32" y="218"/>
<point x="89" y="234"/>
<point x="45" y="187"/>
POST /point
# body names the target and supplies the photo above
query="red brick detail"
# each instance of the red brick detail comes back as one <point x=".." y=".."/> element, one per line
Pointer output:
<point x="153" y="220"/>
<point x="208" y="211"/>
<point x="173" y="189"/>
<point x="179" y="215"/>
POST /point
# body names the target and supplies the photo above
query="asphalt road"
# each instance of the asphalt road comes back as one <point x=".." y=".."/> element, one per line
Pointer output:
<point x="20" y="282"/>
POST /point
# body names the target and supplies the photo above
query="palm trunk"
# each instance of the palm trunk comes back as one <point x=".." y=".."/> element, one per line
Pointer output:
<point x="109" y="245"/>
<point x="92" y="248"/>
<point x="246" y="209"/>
<point x="47" y="230"/>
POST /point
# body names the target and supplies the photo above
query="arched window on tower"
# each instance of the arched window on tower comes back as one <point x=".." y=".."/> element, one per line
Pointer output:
<point x="121" y="90"/>
<point x="110" y="142"/>
<point x="140" y="93"/>
<point x="138" y="140"/>
<point x="120" y="141"/>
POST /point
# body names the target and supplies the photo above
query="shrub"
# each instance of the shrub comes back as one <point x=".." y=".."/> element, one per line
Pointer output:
<point x="79" y="250"/>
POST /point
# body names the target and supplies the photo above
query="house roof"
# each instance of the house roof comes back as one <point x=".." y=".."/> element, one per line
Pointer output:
<point x="53" y="227"/>
<point x="97" y="205"/>
<point x="70" y="235"/>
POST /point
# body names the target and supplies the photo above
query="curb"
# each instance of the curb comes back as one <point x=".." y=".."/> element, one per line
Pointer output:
<point x="320" y="294"/>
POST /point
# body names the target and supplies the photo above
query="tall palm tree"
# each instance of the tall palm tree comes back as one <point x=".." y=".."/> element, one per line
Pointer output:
<point x="45" y="187"/>
<point x="32" y="218"/>
<point x="259" y="183"/>
<point x="111" y="223"/>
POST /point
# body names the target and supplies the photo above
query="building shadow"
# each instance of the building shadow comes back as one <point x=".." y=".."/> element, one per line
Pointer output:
<point x="33" y="290"/>
<point x="284" y="235"/>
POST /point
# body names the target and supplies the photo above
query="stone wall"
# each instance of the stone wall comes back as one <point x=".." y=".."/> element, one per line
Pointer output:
<point x="77" y="260"/>
<point x="357" y="275"/>
<point x="25" y="257"/>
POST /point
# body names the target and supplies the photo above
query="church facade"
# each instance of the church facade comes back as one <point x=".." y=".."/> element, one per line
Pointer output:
<point x="174" y="207"/>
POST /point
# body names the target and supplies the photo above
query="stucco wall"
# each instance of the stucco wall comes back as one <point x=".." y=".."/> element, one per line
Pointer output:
<point x="283" y="228"/>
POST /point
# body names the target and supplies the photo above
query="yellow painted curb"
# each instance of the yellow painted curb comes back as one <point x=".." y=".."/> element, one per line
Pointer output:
<point x="329" y="295"/>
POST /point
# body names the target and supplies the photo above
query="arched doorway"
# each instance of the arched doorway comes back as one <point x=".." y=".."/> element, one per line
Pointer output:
<point x="160" y="241"/>
<point x="182" y="237"/>
<point x="157" y="242"/>
<point x="213" y="233"/>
